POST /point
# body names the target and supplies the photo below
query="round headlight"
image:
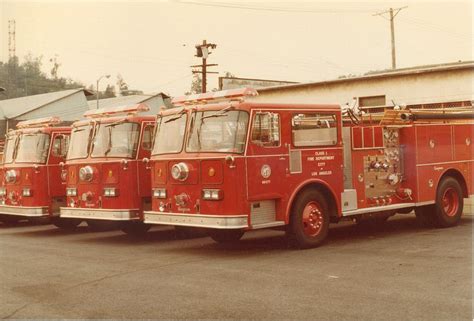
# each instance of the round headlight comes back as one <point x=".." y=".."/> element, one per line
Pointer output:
<point x="10" y="176"/>
<point x="180" y="171"/>
<point x="86" y="173"/>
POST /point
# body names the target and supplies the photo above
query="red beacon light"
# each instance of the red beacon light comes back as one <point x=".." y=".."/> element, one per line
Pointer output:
<point x="40" y="122"/>
<point x="230" y="94"/>
<point x="105" y="112"/>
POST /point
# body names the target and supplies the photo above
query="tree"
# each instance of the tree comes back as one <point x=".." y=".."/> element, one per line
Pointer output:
<point x="196" y="85"/>
<point x="27" y="78"/>
<point x="122" y="85"/>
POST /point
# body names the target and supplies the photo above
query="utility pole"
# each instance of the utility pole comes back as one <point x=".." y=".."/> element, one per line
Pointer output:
<point x="393" y="13"/>
<point x="202" y="51"/>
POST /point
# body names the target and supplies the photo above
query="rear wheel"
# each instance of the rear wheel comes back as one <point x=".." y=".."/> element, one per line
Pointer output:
<point x="309" y="222"/>
<point x="66" y="223"/>
<point x="225" y="236"/>
<point x="449" y="203"/>
<point x="135" y="228"/>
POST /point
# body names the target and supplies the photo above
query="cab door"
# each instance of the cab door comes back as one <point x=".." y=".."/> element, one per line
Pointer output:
<point x="267" y="163"/>
<point x="144" y="174"/>
<point x="58" y="150"/>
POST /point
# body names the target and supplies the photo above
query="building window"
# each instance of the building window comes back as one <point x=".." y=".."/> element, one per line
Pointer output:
<point x="370" y="101"/>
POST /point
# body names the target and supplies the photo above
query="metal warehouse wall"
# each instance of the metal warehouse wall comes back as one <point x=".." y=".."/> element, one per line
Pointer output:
<point x="442" y="86"/>
<point x="69" y="108"/>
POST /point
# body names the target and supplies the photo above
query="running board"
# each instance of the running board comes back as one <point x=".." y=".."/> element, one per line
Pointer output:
<point x="378" y="209"/>
<point x="267" y="225"/>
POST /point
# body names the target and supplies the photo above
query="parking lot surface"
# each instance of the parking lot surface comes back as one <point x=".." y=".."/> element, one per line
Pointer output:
<point x="398" y="271"/>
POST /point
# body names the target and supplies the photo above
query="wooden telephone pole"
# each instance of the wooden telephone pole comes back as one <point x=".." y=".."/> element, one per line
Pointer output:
<point x="393" y="13"/>
<point x="203" y="51"/>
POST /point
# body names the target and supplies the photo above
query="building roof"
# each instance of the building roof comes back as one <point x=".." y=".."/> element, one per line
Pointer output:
<point x="123" y="100"/>
<point x="379" y="74"/>
<point x="12" y="108"/>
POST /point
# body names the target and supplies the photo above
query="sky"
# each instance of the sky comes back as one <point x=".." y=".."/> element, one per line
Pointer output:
<point x="151" y="44"/>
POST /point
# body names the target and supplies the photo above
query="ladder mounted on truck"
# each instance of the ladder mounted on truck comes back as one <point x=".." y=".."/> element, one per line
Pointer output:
<point x="407" y="117"/>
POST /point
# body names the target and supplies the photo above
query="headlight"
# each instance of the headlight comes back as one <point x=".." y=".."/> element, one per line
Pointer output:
<point x="86" y="173"/>
<point x="110" y="192"/>
<point x="71" y="191"/>
<point x="3" y="191"/>
<point x="180" y="171"/>
<point x="159" y="193"/>
<point x="212" y="194"/>
<point x="26" y="192"/>
<point x="10" y="176"/>
<point x="63" y="175"/>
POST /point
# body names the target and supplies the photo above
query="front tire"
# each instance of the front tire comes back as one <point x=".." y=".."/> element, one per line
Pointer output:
<point x="309" y="221"/>
<point x="225" y="236"/>
<point x="449" y="203"/>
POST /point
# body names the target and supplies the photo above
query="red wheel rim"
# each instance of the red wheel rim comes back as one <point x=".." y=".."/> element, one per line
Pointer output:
<point x="450" y="202"/>
<point x="312" y="219"/>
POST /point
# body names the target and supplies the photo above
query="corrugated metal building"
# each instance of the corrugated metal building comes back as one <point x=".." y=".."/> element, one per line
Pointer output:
<point x="420" y="87"/>
<point x="69" y="105"/>
<point x="155" y="102"/>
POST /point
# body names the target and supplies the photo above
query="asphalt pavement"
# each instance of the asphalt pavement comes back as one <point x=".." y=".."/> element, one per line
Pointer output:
<point x="398" y="271"/>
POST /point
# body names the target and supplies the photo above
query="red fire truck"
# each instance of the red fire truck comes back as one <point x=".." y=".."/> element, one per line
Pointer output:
<point x="108" y="177"/>
<point x="32" y="184"/>
<point x="234" y="165"/>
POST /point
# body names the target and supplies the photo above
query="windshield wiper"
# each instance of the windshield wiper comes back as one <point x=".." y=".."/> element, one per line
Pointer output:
<point x="180" y="114"/>
<point x="220" y="113"/>
<point x="116" y="123"/>
<point x="109" y="145"/>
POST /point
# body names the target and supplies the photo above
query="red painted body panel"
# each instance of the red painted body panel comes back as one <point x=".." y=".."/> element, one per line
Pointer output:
<point x="131" y="177"/>
<point x="243" y="183"/>
<point x="44" y="180"/>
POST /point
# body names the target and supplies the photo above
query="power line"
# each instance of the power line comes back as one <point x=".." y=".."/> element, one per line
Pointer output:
<point x="393" y="13"/>
<point x="274" y="9"/>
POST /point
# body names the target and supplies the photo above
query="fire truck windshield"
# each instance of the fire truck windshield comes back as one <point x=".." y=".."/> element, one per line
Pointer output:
<point x="170" y="134"/>
<point x="9" y="151"/>
<point x="32" y="148"/>
<point x="79" y="144"/>
<point x="116" y="140"/>
<point x="212" y="131"/>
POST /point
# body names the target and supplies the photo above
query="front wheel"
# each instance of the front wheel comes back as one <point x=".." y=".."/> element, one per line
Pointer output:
<point x="309" y="221"/>
<point x="225" y="236"/>
<point x="449" y="203"/>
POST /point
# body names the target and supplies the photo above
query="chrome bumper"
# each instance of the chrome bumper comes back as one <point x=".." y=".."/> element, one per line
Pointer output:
<point x="197" y="220"/>
<point x="29" y="211"/>
<point x="100" y="214"/>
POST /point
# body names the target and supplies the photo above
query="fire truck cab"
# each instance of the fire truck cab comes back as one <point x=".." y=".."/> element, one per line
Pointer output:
<point x="108" y="177"/>
<point x="231" y="165"/>
<point x="32" y="185"/>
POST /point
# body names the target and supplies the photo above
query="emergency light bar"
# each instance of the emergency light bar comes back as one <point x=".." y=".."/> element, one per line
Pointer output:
<point x="104" y="112"/>
<point x="40" y="122"/>
<point x="218" y="95"/>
